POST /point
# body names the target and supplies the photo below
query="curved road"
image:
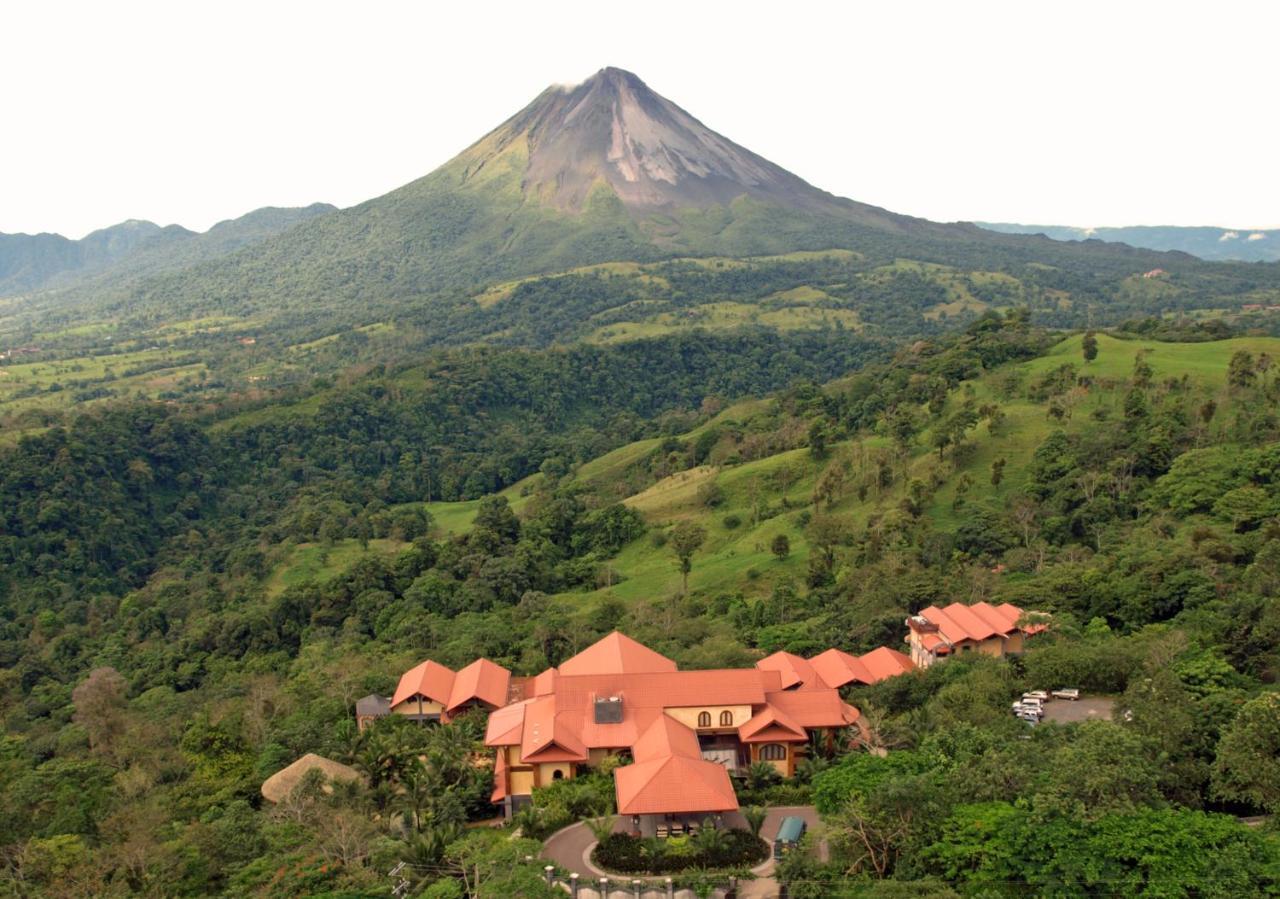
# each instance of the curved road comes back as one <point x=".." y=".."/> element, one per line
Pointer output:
<point x="570" y="848"/>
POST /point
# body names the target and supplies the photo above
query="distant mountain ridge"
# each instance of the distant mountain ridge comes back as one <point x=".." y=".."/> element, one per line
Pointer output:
<point x="31" y="262"/>
<point x="1211" y="244"/>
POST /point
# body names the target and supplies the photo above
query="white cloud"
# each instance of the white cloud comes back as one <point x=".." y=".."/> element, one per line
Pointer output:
<point x="1257" y="235"/>
<point x="1229" y="235"/>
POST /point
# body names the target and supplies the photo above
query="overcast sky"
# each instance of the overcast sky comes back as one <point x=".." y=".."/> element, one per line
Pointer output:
<point x="1071" y="113"/>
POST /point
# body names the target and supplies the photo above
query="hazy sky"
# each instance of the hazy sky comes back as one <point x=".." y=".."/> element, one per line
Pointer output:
<point x="1073" y="113"/>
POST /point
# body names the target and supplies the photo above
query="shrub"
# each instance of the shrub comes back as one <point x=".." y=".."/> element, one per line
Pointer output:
<point x="627" y="854"/>
<point x="732" y="520"/>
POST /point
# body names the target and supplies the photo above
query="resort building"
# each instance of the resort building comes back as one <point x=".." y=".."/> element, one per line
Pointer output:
<point x="936" y="633"/>
<point x="685" y="731"/>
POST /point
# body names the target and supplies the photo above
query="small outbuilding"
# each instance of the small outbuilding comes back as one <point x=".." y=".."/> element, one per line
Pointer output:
<point x="279" y="785"/>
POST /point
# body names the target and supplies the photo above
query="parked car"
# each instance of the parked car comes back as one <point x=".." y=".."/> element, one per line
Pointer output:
<point x="1040" y="695"/>
<point x="790" y="831"/>
<point x="1023" y="709"/>
<point x="1072" y="694"/>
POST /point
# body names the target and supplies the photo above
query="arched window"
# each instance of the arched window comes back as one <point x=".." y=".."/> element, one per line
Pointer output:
<point x="557" y="774"/>
<point x="704" y="719"/>
<point x="726" y="719"/>
<point x="773" y="752"/>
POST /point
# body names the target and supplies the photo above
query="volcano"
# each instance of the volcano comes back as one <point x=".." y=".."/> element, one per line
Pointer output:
<point x="607" y="170"/>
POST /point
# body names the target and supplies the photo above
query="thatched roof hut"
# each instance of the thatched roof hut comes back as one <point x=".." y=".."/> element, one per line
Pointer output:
<point x="283" y="782"/>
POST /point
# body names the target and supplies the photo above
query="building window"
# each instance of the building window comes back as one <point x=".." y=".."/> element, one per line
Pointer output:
<point x="704" y="719"/>
<point x="557" y="774"/>
<point x="773" y="752"/>
<point x="726" y="719"/>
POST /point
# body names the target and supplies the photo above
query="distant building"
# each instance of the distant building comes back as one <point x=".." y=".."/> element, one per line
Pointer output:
<point x="938" y="633"/>
<point x="1154" y="273"/>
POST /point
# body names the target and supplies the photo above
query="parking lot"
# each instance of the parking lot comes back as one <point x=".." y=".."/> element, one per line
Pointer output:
<point x="1086" y="708"/>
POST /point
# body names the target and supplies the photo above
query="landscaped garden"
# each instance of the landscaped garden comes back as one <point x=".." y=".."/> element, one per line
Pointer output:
<point x="708" y="848"/>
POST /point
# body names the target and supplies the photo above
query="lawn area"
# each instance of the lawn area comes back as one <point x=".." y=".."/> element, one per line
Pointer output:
<point x="318" y="562"/>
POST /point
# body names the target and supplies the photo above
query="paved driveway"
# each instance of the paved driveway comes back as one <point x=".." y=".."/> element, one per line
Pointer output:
<point x="571" y="847"/>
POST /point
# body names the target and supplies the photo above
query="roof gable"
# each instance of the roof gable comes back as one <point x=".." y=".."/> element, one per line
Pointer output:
<point x="794" y="670"/>
<point x="430" y="679"/>
<point x="545" y="737"/>
<point x="838" y="668"/>
<point x="481" y="680"/>
<point x="617" y="654"/>
<point x="883" y="662"/>
<point x="674" y="785"/>
<point x="771" y="724"/>
<point x="665" y="737"/>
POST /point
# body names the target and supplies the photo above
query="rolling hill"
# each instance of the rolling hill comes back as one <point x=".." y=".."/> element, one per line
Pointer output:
<point x="1215" y="244"/>
<point x="131" y="249"/>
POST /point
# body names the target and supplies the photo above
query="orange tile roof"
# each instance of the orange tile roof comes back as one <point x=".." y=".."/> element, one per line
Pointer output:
<point x="499" y="779"/>
<point x="771" y="725"/>
<point x="675" y="689"/>
<point x="980" y="621"/>
<point x="506" y="725"/>
<point x="431" y="679"/>
<point x="616" y="654"/>
<point x="814" y="708"/>
<point x="545" y="738"/>
<point x="481" y="680"/>
<point x="664" y="737"/>
<point x="883" y="662"/>
<point x="674" y="785"/>
<point x="795" y="671"/>
<point x="545" y="683"/>
<point x="838" y="668"/>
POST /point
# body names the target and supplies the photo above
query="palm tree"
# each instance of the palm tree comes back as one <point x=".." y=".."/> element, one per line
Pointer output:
<point x="755" y="815"/>
<point x="760" y="775"/>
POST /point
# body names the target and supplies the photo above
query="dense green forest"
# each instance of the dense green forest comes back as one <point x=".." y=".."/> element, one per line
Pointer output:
<point x="194" y="595"/>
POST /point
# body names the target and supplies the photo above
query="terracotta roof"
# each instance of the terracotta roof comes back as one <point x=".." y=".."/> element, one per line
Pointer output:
<point x="838" y="668"/>
<point x="674" y="785"/>
<point x="506" y="725"/>
<point x="545" y="738"/>
<point x="499" y="779"/>
<point x="771" y="725"/>
<point x="279" y="785"/>
<point x="431" y="679"/>
<point x="665" y="737"/>
<point x="814" y="708"/>
<point x="883" y="662"/>
<point x="980" y="621"/>
<point x="616" y="654"/>
<point x="1014" y="614"/>
<point x="545" y="683"/>
<point x="481" y="680"/>
<point x="795" y="671"/>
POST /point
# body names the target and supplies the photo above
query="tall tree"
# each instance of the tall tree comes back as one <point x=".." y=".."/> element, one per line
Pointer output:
<point x="1089" y="346"/>
<point x="686" y="539"/>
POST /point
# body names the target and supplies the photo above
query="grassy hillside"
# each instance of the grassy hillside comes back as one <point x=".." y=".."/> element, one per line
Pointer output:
<point x="737" y="559"/>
